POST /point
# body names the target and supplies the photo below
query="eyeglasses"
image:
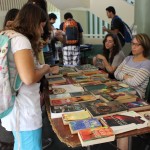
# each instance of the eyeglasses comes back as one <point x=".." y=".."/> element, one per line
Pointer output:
<point x="135" y="44"/>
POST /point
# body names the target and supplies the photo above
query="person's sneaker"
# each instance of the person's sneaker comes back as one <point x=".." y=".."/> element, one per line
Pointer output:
<point x="46" y="143"/>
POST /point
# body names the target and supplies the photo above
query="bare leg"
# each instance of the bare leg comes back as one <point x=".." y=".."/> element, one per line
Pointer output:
<point x="122" y="143"/>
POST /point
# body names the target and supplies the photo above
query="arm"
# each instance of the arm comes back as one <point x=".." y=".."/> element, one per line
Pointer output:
<point x="106" y="64"/>
<point x="137" y="79"/>
<point x="25" y="65"/>
<point x="119" y="74"/>
<point x="115" y="31"/>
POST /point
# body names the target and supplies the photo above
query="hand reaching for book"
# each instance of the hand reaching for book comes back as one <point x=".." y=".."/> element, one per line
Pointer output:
<point x="54" y="70"/>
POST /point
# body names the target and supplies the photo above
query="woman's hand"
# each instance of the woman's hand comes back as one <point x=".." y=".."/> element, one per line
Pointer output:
<point x="99" y="56"/>
<point x="126" y="76"/>
<point x="54" y="70"/>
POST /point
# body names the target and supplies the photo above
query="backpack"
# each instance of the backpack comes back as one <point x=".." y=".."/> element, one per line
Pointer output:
<point x="70" y="27"/>
<point x="127" y="31"/>
<point x="7" y="91"/>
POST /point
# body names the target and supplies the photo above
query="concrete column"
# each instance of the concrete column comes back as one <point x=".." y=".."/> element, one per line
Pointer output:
<point x="142" y="16"/>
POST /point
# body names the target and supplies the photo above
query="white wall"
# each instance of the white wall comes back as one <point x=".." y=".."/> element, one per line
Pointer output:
<point x="2" y="17"/>
<point x="123" y="9"/>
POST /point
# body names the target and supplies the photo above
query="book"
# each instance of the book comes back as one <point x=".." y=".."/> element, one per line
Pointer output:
<point x="94" y="87"/>
<point x="122" y="87"/>
<point x="139" y="105"/>
<point x="59" y="96"/>
<point x="75" y="126"/>
<point x="53" y="80"/>
<point x="97" y="93"/>
<point x="81" y="78"/>
<point x="86" y="67"/>
<point x="98" y="108"/>
<point x="68" y="98"/>
<point x="72" y="116"/>
<point x="66" y="69"/>
<point x="125" y="121"/>
<point x="57" y="111"/>
<point x="90" y="72"/>
<point x="122" y="97"/>
<point x="146" y="115"/>
<point x="68" y="88"/>
<point x="96" y="135"/>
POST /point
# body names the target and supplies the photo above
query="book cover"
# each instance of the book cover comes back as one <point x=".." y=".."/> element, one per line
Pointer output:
<point x="86" y="67"/>
<point x="98" y="93"/>
<point x="100" y="108"/>
<point x="66" y="69"/>
<point x="57" y="111"/>
<point x="146" y="115"/>
<point x="68" y="88"/>
<point x="72" y="116"/>
<point x="75" y="126"/>
<point x="81" y="78"/>
<point x="126" y="121"/>
<point x="140" y="105"/>
<point x="96" y="135"/>
<point x="59" y="96"/>
<point x="122" y="97"/>
<point x="95" y="87"/>
<point x="54" y="80"/>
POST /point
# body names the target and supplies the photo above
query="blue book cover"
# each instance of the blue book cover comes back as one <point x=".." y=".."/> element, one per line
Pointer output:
<point x="83" y="124"/>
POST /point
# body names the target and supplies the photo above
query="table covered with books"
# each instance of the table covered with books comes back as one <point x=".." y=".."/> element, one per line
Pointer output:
<point x="104" y="93"/>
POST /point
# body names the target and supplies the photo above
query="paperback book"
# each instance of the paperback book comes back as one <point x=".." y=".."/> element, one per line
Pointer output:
<point x="54" y="80"/>
<point x="99" y="108"/>
<point x="75" y="126"/>
<point x="57" y="111"/>
<point x="146" y="115"/>
<point x="86" y="67"/>
<point x="139" y="105"/>
<point x="68" y="88"/>
<point x="126" y="121"/>
<point x="96" y="135"/>
<point x="94" y="87"/>
<point x="72" y="116"/>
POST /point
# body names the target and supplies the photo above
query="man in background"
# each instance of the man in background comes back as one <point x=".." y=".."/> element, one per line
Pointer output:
<point x="120" y="28"/>
<point x="71" y="48"/>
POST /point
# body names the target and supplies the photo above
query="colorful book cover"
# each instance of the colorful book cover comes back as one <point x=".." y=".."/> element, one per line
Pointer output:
<point x="146" y="115"/>
<point x="68" y="88"/>
<point x="126" y="121"/>
<point x="76" y="116"/>
<point x="56" y="80"/>
<point x="95" y="87"/>
<point x="86" y="67"/>
<point x="57" y="111"/>
<point x="100" y="108"/>
<point x="140" y="105"/>
<point x="83" y="124"/>
<point x="96" y="135"/>
<point x="64" y="70"/>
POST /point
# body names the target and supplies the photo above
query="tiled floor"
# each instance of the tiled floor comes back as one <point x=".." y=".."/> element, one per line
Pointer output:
<point x="137" y="143"/>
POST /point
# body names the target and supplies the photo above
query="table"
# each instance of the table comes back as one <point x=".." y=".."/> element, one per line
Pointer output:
<point x="72" y="140"/>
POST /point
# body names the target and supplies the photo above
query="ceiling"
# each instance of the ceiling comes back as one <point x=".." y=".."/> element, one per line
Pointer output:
<point x="67" y="4"/>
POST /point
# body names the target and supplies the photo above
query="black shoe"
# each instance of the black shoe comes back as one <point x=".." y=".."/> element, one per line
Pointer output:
<point x="46" y="143"/>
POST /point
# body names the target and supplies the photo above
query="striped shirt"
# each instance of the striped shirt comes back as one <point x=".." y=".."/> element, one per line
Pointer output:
<point x="140" y="72"/>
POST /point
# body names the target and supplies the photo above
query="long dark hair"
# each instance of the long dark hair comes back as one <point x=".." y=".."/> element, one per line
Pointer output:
<point x="115" y="50"/>
<point x="27" y="22"/>
<point x="43" y="4"/>
<point x="10" y="16"/>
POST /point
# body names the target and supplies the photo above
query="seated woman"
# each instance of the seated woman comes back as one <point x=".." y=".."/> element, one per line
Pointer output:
<point x="112" y="55"/>
<point x="135" y="71"/>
